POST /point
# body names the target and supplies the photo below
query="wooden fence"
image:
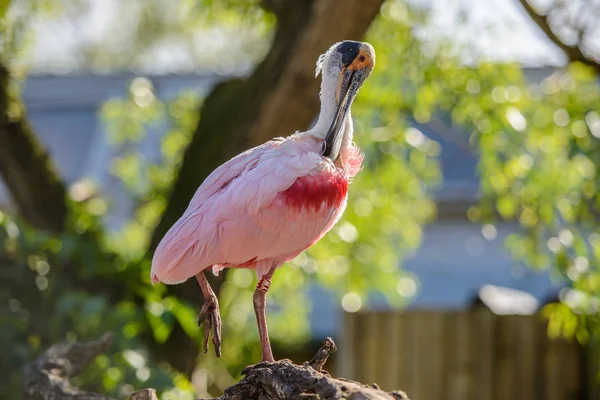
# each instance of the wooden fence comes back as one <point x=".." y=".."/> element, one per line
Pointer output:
<point x="466" y="355"/>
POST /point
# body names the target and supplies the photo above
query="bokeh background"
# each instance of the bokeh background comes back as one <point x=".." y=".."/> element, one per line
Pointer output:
<point x="481" y="129"/>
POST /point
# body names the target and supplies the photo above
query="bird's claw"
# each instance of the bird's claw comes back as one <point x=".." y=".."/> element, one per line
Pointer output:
<point x="211" y="317"/>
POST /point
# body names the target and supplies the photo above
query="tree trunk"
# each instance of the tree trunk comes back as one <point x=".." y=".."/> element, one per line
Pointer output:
<point x="27" y="171"/>
<point x="279" y="98"/>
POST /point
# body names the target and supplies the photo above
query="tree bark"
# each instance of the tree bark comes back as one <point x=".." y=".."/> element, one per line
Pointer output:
<point x="283" y="380"/>
<point x="279" y="98"/>
<point x="27" y="171"/>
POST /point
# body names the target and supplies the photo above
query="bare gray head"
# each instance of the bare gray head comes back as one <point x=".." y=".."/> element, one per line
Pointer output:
<point x="344" y="67"/>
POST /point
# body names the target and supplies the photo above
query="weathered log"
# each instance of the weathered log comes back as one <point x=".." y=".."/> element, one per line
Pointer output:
<point x="47" y="378"/>
<point x="283" y="380"/>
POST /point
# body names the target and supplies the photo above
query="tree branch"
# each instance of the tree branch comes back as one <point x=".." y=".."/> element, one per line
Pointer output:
<point x="573" y="52"/>
<point x="283" y="380"/>
<point x="48" y="377"/>
<point x="26" y="168"/>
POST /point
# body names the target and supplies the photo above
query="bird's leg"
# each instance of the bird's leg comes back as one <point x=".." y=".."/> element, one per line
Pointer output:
<point x="210" y="315"/>
<point x="260" y="297"/>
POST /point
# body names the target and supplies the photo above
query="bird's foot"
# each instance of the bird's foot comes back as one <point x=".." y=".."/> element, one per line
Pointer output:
<point x="267" y="359"/>
<point x="211" y="317"/>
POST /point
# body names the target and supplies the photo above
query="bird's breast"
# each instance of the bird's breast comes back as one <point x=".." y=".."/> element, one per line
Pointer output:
<point x="312" y="192"/>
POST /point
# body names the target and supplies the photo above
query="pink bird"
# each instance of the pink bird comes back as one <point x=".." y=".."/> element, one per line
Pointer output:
<point x="270" y="203"/>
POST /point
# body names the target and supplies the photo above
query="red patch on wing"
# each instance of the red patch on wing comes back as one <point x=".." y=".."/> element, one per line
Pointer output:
<point x="312" y="192"/>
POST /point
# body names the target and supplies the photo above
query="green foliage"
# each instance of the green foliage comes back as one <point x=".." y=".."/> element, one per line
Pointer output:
<point x="127" y="121"/>
<point x="50" y="300"/>
<point x="538" y="148"/>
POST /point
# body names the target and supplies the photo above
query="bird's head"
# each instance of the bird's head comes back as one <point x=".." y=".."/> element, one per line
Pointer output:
<point x="345" y="66"/>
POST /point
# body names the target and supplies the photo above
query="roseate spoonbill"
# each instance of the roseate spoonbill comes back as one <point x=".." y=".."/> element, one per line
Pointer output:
<point x="270" y="203"/>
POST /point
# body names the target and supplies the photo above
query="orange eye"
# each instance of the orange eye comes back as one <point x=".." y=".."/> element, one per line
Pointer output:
<point x="361" y="61"/>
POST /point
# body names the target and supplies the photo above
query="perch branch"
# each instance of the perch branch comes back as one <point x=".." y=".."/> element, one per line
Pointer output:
<point x="283" y="380"/>
<point x="47" y="378"/>
<point x="319" y="360"/>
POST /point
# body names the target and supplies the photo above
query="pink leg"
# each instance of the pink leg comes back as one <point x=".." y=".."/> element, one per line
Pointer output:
<point x="210" y="315"/>
<point x="260" y="301"/>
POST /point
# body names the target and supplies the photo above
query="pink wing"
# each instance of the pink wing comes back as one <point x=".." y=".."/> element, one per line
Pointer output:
<point x="240" y="217"/>
<point x="232" y="169"/>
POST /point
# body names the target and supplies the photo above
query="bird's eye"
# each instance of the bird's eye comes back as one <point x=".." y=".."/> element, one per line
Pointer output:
<point x="361" y="58"/>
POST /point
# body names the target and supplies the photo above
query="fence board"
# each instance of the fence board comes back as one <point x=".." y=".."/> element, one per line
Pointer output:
<point x="429" y="352"/>
<point x="465" y="355"/>
<point x="592" y="370"/>
<point x="369" y="353"/>
<point x="552" y="371"/>
<point x="417" y="378"/>
<point x="527" y="356"/>
<point x="345" y="359"/>
<point x="483" y="324"/>
<point x="408" y="352"/>
<point x="394" y="360"/>
<point x="505" y="367"/>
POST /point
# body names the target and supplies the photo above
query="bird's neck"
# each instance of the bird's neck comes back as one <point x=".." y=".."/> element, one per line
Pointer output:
<point x="327" y="114"/>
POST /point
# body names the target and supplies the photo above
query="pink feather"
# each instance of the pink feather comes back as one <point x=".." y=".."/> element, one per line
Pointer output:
<point x="258" y="210"/>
